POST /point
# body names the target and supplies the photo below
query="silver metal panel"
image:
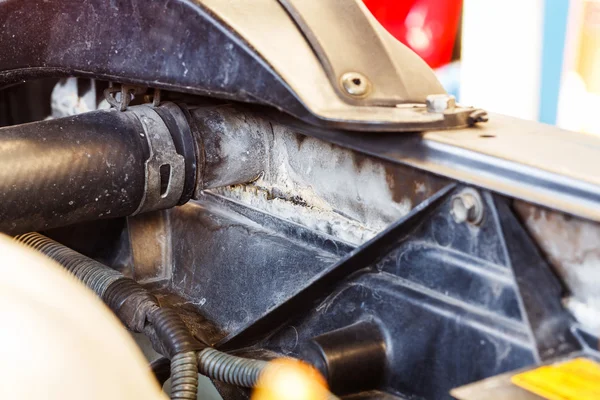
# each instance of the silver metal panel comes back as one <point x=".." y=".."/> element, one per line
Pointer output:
<point x="344" y="40"/>
<point x="532" y="144"/>
<point x="524" y="159"/>
<point x="270" y="30"/>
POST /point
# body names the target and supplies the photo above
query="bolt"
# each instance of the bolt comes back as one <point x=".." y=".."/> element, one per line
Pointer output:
<point x="355" y="84"/>
<point x="467" y="206"/>
<point x="438" y="103"/>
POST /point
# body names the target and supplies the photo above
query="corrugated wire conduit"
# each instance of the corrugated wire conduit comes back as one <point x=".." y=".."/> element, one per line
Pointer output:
<point x="136" y="308"/>
<point x="140" y="312"/>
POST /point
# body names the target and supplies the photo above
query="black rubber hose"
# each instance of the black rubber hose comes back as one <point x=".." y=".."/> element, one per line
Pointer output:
<point x="58" y="172"/>
<point x="94" y="165"/>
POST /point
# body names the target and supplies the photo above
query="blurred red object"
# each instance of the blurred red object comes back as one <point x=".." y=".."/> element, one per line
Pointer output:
<point x="426" y="26"/>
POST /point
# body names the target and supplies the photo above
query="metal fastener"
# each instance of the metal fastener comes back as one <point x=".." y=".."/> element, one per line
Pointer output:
<point x="356" y="84"/>
<point x="467" y="206"/>
<point x="438" y="103"/>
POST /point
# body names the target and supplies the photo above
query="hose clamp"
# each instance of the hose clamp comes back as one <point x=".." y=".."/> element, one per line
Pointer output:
<point x="165" y="168"/>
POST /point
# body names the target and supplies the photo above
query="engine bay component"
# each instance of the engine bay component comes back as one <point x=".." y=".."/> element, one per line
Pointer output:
<point x="295" y="187"/>
<point x="135" y="307"/>
<point x="102" y="164"/>
<point x="38" y="296"/>
<point x="165" y="169"/>
<point x="140" y="312"/>
<point x="227" y="49"/>
<point x="230" y="369"/>
<point x="352" y="358"/>
<point x="274" y="257"/>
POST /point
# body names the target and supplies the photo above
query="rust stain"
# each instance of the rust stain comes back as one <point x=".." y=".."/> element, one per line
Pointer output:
<point x="359" y="160"/>
<point x="410" y="183"/>
<point x="300" y="138"/>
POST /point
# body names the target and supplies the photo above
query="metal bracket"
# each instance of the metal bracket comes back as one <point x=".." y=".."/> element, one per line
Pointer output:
<point x="165" y="168"/>
<point x="362" y="70"/>
<point x="128" y="93"/>
<point x="156" y="98"/>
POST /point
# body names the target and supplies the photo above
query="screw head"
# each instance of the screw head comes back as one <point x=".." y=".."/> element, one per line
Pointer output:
<point x="467" y="206"/>
<point x="438" y="103"/>
<point x="355" y="84"/>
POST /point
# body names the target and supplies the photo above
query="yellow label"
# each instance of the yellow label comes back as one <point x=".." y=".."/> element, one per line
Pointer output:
<point x="577" y="379"/>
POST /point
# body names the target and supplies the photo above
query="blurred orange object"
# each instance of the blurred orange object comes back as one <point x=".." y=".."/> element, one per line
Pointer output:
<point x="427" y="26"/>
<point x="288" y="379"/>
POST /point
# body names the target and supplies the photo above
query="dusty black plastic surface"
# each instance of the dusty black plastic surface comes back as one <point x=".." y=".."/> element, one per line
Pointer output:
<point x="455" y="302"/>
<point x="175" y="45"/>
<point x="438" y="304"/>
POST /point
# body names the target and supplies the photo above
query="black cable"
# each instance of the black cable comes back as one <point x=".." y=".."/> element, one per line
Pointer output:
<point x="135" y="307"/>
